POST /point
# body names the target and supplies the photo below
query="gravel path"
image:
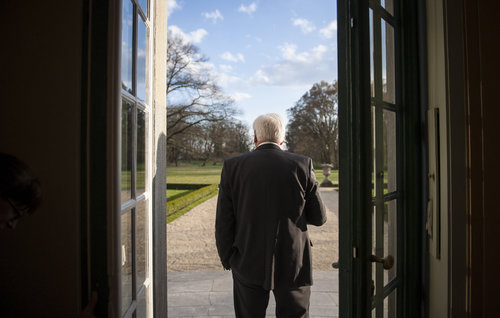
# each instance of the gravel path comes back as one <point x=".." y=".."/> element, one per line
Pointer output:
<point x="191" y="241"/>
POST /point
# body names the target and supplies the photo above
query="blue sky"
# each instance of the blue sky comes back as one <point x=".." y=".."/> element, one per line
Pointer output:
<point x="265" y="54"/>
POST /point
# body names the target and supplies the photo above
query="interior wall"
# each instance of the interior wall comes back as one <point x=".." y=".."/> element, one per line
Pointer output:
<point x="483" y="68"/>
<point x="40" y="124"/>
<point x="472" y="75"/>
<point x="437" y="207"/>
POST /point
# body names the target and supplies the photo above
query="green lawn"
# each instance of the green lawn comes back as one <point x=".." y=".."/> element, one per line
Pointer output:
<point x="126" y="179"/>
<point x="210" y="174"/>
<point x="194" y="174"/>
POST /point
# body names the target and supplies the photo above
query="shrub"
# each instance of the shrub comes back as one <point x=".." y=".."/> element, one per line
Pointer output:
<point x="188" y="199"/>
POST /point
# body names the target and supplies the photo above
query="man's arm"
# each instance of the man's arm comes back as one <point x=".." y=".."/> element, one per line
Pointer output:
<point x="224" y="220"/>
<point x="314" y="209"/>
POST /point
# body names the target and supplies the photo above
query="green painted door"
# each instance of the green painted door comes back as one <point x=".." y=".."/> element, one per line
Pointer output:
<point x="370" y="159"/>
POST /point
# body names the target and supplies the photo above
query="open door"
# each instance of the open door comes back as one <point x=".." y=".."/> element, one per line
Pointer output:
<point x="123" y="160"/>
<point x="379" y="175"/>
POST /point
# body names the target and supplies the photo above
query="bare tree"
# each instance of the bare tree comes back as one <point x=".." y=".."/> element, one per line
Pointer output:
<point x="193" y="97"/>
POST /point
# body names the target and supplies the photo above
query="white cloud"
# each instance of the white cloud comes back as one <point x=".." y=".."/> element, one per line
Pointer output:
<point x="225" y="68"/>
<point x="224" y="79"/>
<point x="330" y="30"/>
<point x="228" y="56"/>
<point x="305" y="25"/>
<point x="195" y="36"/>
<point x="214" y="16"/>
<point x="172" y="5"/>
<point x="289" y="53"/>
<point x="238" y="96"/>
<point x="297" y="69"/>
<point x="248" y="9"/>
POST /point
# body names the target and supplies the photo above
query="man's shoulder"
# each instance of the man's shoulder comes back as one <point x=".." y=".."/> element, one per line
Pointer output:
<point x="288" y="155"/>
<point x="232" y="160"/>
<point x="297" y="157"/>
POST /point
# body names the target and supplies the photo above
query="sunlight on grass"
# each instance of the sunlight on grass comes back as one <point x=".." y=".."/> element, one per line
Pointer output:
<point x="194" y="174"/>
<point x="210" y="174"/>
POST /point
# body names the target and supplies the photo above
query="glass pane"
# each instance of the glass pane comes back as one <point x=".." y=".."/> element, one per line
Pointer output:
<point x="127" y="268"/>
<point x="373" y="161"/>
<point x="142" y="242"/>
<point x="390" y="178"/>
<point x="126" y="151"/>
<point x="141" y="59"/>
<point x="127" y="44"/>
<point x="141" y="152"/>
<point x="388" y="5"/>
<point x="390" y="237"/>
<point x="372" y="76"/>
<point x="390" y="309"/>
<point x="144" y="6"/>
<point x="374" y="249"/>
<point x="142" y="308"/>
<point x="388" y="63"/>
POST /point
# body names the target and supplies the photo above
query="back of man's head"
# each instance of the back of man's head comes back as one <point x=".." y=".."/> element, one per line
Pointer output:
<point x="269" y="127"/>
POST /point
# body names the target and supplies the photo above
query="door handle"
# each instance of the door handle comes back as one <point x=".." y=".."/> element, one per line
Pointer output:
<point x="388" y="261"/>
<point x="335" y="265"/>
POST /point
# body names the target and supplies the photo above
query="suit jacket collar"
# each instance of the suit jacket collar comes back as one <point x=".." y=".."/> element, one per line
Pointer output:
<point x="268" y="146"/>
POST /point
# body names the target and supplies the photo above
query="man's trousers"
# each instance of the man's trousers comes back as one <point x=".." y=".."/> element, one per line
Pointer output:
<point x="250" y="301"/>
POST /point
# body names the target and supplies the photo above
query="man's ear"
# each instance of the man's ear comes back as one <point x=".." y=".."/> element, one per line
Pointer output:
<point x="254" y="137"/>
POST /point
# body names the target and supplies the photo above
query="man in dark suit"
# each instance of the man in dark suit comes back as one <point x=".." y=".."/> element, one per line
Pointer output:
<point x="266" y="199"/>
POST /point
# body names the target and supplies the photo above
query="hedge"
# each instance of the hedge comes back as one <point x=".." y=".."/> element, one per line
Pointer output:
<point x="184" y="201"/>
<point x="185" y="186"/>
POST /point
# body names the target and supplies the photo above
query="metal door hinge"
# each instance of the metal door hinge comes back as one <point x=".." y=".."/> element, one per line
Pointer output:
<point x="354" y="252"/>
<point x="352" y="22"/>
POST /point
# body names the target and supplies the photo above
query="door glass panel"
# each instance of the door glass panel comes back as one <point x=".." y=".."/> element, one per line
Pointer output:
<point x="388" y="63"/>
<point x="141" y="152"/>
<point x="389" y="151"/>
<point x="141" y="59"/>
<point x="127" y="266"/>
<point x="374" y="250"/>
<point x="373" y="163"/>
<point x="390" y="238"/>
<point x="372" y="76"/>
<point x="127" y="44"/>
<point x="390" y="305"/>
<point x="388" y="5"/>
<point x="142" y="308"/>
<point x="126" y="155"/>
<point x="144" y="6"/>
<point x="384" y="155"/>
<point x="142" y="242"/>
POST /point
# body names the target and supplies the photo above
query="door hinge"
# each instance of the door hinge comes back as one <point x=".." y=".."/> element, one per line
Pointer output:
<point x="354" y="252"/>
<point x="352" y="22"/>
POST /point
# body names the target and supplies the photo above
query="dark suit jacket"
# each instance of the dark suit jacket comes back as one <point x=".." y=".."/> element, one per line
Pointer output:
<point x="266" y="199"/>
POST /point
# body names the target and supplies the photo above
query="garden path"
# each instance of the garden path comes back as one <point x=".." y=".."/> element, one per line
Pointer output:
<point x="191" y="241"/>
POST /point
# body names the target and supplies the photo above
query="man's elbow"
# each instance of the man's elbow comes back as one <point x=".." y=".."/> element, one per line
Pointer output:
<point x="318" y="222"/>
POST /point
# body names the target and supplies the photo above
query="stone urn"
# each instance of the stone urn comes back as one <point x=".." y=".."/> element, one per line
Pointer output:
<point x="326" y="172"/>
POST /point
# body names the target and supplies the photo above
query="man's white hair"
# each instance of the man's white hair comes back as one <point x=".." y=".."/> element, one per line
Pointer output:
<point x="269" y="127"/>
